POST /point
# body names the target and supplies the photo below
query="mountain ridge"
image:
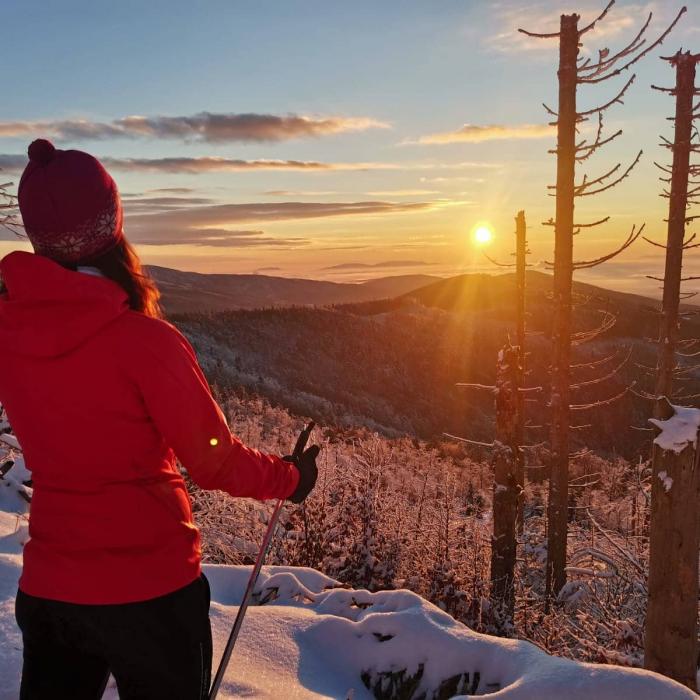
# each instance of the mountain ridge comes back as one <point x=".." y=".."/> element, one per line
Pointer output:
<point x="187" y="292"/>
<point x="191" y="292"/>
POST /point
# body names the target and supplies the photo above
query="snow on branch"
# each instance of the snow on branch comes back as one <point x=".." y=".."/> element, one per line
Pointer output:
<point x="10" y="440"/>
<point x="585" y="150"/>
<point x="481" y="387"/>
<point x="597" y="363"/>
<point x="601" y="16"/>
<point x="630" y="558"/>
<point x="680" y="371"/>
<point x="583" y="189"/>
<point x="615" y="100"/>
<point x="606" y="377"/>
<point x="467" y="441"/>
<point x="581" y="337"/>
<point x="535" y="35"/>
<point x="8" y="210"/>
<point x="641" y="394"/>
<point x="597" y="404"/>
<point x="608" y="73"/>
<point x="586" y="264"/>
<point x="606" y="62"/>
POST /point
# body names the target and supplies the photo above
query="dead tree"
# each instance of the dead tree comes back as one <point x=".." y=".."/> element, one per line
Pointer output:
<point x="508" y="447"/>
<point x="520" y="266"/>
<point x="507" y="487"/>
<point x="574" y="72"/>
<point x="671" y="644"/>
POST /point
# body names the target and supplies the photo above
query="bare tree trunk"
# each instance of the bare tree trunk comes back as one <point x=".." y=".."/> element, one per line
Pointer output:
<point x="506" y="487"/>
<point x="520" y="266"/>
<point x="671" y="644"/>
<point x="678" y="206"/>
<point x="561" y="336"/>
<point x="671" y="640"/>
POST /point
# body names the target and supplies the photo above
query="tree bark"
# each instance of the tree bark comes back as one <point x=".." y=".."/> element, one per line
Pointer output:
<point x="561" y="337"/>
<point x="520" y="266"/>
<point x="678" y="206"/>
<point x="506" y="487"/>
<point x="671" y="640"/>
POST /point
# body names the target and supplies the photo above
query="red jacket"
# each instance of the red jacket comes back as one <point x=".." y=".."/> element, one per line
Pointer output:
<point x="101" y="399"/>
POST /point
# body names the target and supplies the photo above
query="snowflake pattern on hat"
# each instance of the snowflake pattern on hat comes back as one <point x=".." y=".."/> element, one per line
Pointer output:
<point x="93" y="237"/>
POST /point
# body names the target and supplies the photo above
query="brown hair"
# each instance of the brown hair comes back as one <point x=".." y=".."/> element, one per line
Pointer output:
<point x="121" y="264"/>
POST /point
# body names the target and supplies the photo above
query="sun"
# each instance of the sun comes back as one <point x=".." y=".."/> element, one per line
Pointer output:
<point x="483" y="235"/>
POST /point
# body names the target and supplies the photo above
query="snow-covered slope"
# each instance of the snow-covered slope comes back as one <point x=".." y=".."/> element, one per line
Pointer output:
<point x="308" y="638"/>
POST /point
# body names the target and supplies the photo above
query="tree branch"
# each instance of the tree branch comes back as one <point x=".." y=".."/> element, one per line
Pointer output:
<point x="587" y="264"/>
<point x="639" y="56"/>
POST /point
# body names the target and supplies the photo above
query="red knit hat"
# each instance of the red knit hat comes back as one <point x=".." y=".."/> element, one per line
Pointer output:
<point x="69" y="203"/>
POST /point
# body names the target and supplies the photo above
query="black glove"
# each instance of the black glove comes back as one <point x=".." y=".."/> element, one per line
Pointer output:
<point x="308" y="473"/>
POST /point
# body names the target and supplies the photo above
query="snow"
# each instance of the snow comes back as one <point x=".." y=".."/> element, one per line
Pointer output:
<point x="305" y="637"/>
<point x="679" y="431"/>
<point x="10" y="440"/>
<point x="311" y="639"/>
<point x="666" y="480"/>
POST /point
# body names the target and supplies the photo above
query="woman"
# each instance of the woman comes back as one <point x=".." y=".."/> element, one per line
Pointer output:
<point x="103" y="396"/>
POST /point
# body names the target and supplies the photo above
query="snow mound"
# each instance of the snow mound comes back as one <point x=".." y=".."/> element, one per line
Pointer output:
<point x="309" y="638"/>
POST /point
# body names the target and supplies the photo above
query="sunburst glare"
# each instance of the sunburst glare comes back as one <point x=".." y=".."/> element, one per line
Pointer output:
<point x="483" y="235"/>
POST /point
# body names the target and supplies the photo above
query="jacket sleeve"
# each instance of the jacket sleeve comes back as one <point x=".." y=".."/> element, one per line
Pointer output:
<point x="179" y="401"/>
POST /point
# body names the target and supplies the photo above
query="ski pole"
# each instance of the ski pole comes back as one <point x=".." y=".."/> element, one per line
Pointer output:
<point x="267" y="540"/>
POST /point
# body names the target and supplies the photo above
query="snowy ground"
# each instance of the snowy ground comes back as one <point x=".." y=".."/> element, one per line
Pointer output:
<point x="310" y="640"/>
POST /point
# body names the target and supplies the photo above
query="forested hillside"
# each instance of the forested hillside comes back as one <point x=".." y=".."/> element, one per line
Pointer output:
<point x="393" y="364"/>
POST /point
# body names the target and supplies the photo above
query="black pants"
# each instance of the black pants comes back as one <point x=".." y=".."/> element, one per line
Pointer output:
<point x="155" y="649"/>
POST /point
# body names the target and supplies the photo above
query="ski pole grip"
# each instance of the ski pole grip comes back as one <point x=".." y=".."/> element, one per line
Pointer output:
<point x="303" y="439"/>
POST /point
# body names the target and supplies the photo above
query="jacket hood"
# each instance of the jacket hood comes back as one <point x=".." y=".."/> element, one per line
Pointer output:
<point x="47" y="310"/>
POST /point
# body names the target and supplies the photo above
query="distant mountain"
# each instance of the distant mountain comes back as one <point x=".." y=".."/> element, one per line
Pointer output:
<point x="186" y="292"/>
<point x="469" y="291"/>
<point x="495" y="293"/>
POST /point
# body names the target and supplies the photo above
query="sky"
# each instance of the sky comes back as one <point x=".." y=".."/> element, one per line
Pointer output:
<point x="338" y="141"/>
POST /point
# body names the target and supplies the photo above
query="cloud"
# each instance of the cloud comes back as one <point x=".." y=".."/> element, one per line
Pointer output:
<point x="402" y="193"/>
<point x="299" y="193"/>
<point x="266" y="269"/>
<point x="171" y="190"/>
<point x="143" y="204"/>
<point x="385" y="264"/>
<point x="543" y="17"/>
<point x="193" y="166"/>
<point x="208" y="164"/>
<point x="472" y="133"/>
<point x="207" y="225"/>
<point x="203" y="127"/>
<point x="457" y="178"/>
<point x="218" y="238"/>
<point x="214" y="164"/>
<point x="12" y="162"/>
<point x="221" y="214"/>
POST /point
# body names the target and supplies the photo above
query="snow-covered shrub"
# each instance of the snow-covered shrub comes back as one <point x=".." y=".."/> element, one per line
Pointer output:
<point x="400" y="513"/>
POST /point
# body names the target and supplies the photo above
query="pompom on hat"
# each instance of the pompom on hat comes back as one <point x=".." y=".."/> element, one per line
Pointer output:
<point x="69" y="203"/>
